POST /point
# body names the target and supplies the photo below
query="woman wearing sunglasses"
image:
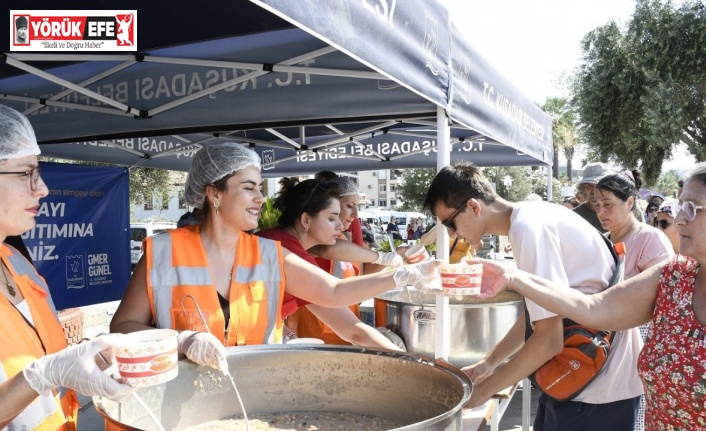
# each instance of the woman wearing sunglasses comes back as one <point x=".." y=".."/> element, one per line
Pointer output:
<point x="672" y="296"/>
<point x="664" y="220"/>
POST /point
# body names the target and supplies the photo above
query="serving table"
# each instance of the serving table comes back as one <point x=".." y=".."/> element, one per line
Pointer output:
<point x="492" y="411"/>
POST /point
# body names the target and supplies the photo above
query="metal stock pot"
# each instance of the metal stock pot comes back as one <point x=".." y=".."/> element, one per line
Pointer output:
<point x="476" y="325"/>
<point x="423" y="393"/>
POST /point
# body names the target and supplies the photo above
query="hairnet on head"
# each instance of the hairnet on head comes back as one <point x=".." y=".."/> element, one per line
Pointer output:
<point x="16" y="135"/>
<point x="213" y="162"/>
<point x="348" y="187"/>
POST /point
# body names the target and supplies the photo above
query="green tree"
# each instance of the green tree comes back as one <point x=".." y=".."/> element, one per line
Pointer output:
<point x="414" y="188"/>
<point x="147" y="183"/>
<point x="641" y="92"/>
<point x="667" y="183"/>
<point x="565" y="136"/>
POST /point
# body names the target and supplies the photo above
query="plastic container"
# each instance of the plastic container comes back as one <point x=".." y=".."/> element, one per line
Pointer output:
<point x="461" y="279"/>
<point x="416" y="253"/>
<point x="147" y="358"/>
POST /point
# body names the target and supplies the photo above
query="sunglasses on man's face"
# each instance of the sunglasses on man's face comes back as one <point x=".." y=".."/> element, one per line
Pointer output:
<point x="662" y="224"/>
<point x="449" y="222"/>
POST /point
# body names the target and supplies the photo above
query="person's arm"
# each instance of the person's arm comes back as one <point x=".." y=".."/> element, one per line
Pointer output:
<point x="16" y="394"/>
<point x="314" y="285"/>
<point x="623" y="306"/>
<point x="545" y="342"/>
<point x="347" y="326"/>
<point x="345" y="251"/>
<point x="134" y="312"/>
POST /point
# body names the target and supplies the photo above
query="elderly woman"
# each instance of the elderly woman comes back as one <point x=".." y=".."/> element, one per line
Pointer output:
<point x="672" y="296"/>
<point x="35" y="362"/>
<point x="320" y="220"/>
<point x="238" y="280"/>
<point x="665" y="220"/>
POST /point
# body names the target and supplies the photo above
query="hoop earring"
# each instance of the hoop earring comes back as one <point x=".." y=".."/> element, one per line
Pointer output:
<point x="215" y="204"/>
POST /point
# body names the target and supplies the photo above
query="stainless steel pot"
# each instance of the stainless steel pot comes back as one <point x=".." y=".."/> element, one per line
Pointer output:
<point x="476" y="325"/>
<point x="423" y="393"/>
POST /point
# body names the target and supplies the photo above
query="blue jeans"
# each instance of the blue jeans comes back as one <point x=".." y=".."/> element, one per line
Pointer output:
<point x="555" y="415"/>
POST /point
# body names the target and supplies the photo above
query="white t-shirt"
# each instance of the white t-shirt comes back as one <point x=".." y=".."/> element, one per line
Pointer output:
<point x="559" y="245"/>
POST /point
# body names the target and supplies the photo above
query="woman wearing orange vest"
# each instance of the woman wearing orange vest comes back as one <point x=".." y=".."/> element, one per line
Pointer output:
<point x="238" y="280"/>
<point x="36" y="367"/>
<point x="326" y="219"/>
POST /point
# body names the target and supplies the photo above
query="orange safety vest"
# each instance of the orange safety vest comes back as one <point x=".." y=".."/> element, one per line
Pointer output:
<point x="309" y="326"/>
<point x="23" y="343"/>
<point x="179" y="283"/>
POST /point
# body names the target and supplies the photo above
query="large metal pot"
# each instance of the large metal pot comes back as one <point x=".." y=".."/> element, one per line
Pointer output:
<point x="425" y="394"/>
<point x="476" y="325"/>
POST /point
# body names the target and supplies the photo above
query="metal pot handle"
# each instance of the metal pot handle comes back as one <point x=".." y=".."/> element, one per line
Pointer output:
<point x="424" y="316"/>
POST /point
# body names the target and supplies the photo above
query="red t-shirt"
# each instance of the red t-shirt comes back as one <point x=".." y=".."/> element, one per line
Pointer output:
<point x="356" y="230"/>
<point x="291" y="303"/>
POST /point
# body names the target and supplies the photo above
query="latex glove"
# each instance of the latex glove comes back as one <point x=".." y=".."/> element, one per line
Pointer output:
<point x="203" y="348"/>
<point x="75" y="367"/>
<point x="394" y="338"/>
<point x="496" y="277"/>
<point x="389" y="259"/>
<point x="424" y="276"/>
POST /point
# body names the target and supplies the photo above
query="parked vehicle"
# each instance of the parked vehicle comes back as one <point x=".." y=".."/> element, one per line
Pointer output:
<point x="140" y="231"/>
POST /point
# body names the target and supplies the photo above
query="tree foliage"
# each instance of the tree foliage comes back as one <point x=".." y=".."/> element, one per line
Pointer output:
<point x="565" y="134"/>
<point x="641" y="92"/>
<point x="414" y="188"/>
<point x="146" y="183"/>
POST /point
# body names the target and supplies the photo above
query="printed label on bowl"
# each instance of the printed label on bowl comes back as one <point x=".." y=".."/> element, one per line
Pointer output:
<point x="461" y="279"/>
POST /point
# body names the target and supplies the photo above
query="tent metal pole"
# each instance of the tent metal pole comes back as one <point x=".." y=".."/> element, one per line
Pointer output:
<point x="442" y="338"/>
<point x="549" y="183"/>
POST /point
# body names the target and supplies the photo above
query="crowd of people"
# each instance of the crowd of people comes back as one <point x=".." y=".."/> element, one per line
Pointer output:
<point x="305" y="277"/>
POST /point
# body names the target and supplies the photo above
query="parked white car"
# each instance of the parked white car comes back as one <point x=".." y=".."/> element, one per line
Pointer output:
<point x="140" y="231"/>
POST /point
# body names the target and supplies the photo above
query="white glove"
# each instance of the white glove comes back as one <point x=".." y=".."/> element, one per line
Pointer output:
<point x="75" y="367"/>
<point x="203" y="348"/>
<point x="424" y="276"/>
<point x="389" y="259"/>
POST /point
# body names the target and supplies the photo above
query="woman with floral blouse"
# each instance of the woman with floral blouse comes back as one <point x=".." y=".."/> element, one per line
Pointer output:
<point x="672" y="364"/>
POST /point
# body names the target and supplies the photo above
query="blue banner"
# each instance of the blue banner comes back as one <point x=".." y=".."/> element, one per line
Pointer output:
<point x="80" y="243"/>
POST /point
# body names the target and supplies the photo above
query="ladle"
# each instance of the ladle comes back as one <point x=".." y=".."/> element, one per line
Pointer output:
<point x="137" y="398"/>
<point x="393" y="248"/>
<point x="222" y="362"/>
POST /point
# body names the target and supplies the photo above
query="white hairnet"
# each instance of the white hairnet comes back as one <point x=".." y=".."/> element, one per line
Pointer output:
<point x="213" y="162"/>
<point x="16" y="135"/>
<point x="348" y="187"/>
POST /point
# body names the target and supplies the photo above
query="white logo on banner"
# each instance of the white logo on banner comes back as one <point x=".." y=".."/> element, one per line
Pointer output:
<point x="73" y="31"/>
<point x="431" y="42"/>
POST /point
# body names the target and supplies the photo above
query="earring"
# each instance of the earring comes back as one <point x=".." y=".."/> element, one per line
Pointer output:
<point x="215" y="205"/>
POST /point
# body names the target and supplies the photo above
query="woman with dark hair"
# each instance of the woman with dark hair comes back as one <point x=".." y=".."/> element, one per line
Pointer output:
<point x="645" y="246"/>
<point x="615" y="196"/>
<point x="309" y="219"/>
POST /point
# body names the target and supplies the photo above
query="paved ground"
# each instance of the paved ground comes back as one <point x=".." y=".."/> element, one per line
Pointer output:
<point x="97" y="318"/>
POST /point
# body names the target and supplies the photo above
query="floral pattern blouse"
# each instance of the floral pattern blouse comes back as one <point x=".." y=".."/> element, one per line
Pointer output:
<point x="672" y="364"/>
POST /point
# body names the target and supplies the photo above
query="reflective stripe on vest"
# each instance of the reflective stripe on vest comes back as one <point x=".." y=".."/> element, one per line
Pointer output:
<point x="167" y="270"/>
<point x="20" y="345"/>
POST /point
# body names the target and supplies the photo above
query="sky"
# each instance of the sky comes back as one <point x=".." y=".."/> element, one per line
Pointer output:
<point x="534" y="43"/>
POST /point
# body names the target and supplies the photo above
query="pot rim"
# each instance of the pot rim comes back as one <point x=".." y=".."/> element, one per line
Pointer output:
<point x="463" y="378"/>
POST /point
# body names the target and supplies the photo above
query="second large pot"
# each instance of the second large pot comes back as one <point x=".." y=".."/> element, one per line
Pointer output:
<point x="476" y="325"/>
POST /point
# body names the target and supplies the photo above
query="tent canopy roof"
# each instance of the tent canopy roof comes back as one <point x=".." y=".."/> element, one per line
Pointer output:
<point x="303" y="83"/>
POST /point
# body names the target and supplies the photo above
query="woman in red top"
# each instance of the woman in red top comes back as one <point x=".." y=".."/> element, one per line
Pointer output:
<point x="672" y="364"/>
<point x="310" y="217"/>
